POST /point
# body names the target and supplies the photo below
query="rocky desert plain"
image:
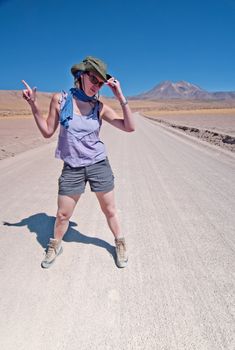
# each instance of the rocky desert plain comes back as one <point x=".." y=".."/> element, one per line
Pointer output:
<point x="212" y="121"/>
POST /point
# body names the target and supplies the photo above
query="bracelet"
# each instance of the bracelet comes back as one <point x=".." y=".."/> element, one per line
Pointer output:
<point x="124" y="103"/>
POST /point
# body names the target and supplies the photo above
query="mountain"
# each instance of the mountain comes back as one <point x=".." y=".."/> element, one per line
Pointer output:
<point x="183" y="90"/>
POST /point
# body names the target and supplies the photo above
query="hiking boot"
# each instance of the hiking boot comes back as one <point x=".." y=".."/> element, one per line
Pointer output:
<point x="121" y="252"/>
<point x="54" y="249"/>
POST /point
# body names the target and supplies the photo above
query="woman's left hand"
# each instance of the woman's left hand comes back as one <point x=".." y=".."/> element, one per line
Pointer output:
<point x="115" y="87"/>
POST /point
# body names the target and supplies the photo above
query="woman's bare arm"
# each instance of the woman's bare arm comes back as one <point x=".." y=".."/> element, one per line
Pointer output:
<point x="108" y="114"/>
<point x="49" y="125"/>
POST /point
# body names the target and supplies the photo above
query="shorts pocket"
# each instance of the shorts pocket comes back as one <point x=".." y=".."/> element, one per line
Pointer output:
<point x="61" y="180"/>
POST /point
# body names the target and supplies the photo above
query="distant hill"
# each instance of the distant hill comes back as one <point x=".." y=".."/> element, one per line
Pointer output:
<point x="183" y="90"/>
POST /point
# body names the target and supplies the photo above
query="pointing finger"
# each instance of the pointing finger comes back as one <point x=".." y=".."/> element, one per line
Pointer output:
<point x="26" y="85"/>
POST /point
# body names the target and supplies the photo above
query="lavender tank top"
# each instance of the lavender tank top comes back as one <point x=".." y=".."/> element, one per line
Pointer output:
<point x="79" y="144"/>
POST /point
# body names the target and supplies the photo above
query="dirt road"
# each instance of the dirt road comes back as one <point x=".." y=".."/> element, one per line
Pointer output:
<point x="176" y="202"/>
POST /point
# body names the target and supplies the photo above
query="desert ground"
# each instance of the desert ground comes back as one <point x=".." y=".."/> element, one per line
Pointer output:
<point x="175" y="197"/>
<point x="211" y="121"/>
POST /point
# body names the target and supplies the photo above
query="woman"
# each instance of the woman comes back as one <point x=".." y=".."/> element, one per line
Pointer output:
<point x="80" y="115"/>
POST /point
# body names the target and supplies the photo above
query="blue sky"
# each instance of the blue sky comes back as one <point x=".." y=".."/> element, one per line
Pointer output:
<point x="143" y="42"/>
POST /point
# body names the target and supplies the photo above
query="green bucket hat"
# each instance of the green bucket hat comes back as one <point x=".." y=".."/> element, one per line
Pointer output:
<point x="92" y="64"/>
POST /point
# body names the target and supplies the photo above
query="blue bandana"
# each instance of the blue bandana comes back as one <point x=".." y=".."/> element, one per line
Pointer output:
<point x="66" y="113"/>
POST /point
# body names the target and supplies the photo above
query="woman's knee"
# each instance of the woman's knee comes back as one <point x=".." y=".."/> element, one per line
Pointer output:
<point x="63" y="215"/>
<point x="66" y="205"/>
<point x="109" y="210"/>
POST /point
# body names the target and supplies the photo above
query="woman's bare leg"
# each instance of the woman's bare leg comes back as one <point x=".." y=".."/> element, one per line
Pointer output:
<point x="107" y="204"/>
<point x="66" y="205"/>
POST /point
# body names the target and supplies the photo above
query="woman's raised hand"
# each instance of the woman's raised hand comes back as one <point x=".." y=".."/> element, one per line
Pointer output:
<point x="115" y="87"/>
<point x="29" y="94"/>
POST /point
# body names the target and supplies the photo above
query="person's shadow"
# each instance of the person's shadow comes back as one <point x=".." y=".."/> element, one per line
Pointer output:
<point x="43" y="226"/>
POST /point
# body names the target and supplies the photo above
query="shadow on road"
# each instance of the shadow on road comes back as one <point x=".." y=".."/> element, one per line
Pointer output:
<point x="43" y="226"/>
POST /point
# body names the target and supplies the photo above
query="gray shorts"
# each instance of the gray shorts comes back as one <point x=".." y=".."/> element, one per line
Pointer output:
<point x="73" y="180"/>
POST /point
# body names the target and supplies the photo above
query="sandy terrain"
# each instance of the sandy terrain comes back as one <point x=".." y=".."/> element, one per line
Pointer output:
<point x="214" y="126"/>
<point x="220" y="120"/>
<point x="12" y="103"/>
<point x="18" y="131"/>
<point x="18" y="135"/>
<point x="212" y="121"/>
<point x="175" y="198"/>
<point x="150" y="106"/>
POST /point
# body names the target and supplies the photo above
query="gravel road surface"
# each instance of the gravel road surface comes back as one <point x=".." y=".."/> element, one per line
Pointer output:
<point x="176" y="200"/>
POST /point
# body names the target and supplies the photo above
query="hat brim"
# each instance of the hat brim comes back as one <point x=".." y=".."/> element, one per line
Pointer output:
<point x="85" y="68"/>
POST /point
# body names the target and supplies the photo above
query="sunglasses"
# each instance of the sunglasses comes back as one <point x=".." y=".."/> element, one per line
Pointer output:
<point x="94" y="80"/>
